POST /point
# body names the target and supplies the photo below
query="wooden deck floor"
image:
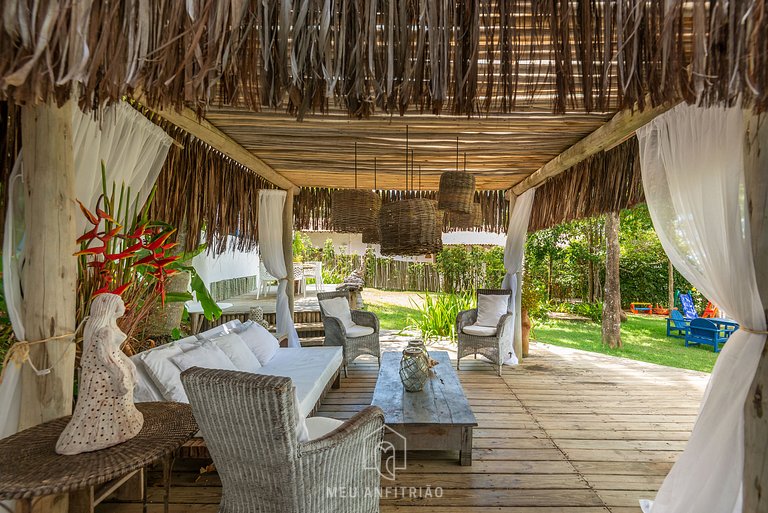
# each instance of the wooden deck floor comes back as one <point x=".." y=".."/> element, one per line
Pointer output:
<point x="566" y="431"/>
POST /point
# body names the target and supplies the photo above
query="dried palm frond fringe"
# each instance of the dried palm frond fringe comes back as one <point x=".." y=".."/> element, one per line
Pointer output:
<point x="200" y="189"/>
<point x="605" y="182"/>
<point x="468" y="58"/>
<point x="312" y="209"/>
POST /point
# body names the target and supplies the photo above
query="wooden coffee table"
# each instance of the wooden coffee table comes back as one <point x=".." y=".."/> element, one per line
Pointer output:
<point x="437" y="418"/>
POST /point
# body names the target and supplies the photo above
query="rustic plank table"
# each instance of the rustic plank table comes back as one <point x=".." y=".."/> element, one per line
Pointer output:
<point x="437" y="418"/>
<point x="33" y="469"/>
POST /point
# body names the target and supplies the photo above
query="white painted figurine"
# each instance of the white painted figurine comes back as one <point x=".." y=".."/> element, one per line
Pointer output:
<point x="104" y="414"/>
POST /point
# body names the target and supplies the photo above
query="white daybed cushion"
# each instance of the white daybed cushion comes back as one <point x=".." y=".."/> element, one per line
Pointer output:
<point x="206" y="355"/>
<point x="238" y="352"/>
<point x="338" y="307"/>
<point x="320" y="426"/>
<point x="490" y="308"/>
<point x="310" y="369"/>
<point x="358" y="331"/>
<point x="222" y="329"/>
<point x="164" y="373"/>
<point x="146" y="389"/>
<point x="479" y="331"/>
<point x="261" y="342"/>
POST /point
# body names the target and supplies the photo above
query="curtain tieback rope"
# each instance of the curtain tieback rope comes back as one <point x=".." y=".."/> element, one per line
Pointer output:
<point x="19" y="351"/>
<point x="754" y="332"/>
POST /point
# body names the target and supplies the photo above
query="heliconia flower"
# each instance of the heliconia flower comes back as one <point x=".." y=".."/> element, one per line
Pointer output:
<point x="122" y="288"/>
<point x="102" y="290"/>
<point x="89" y="235"/>
<point x="159" y="241"/>
<point x="88" y="214"/>
<point x="110" y="234"/>
<point x="138" y="233"/>
<point x="104" y="215"/>
<point x="92" y="251"/>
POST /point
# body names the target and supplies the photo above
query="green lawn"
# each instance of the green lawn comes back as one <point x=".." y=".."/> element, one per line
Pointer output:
<point x="644" y="339"/>
<point x="391" y="316"/>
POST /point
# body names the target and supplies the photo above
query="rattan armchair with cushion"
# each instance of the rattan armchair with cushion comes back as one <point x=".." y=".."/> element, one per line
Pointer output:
<point x="493" y="342"/>
<point x="249" y="424"/>
<point x="358" y="335"/>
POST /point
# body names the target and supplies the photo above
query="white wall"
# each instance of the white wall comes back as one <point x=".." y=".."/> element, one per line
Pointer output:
<point x="230" y="264"/>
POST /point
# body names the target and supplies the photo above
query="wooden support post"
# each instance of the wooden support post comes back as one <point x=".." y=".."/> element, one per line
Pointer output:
<point x="611" y="324"/>
<point x="756" y="406"/>
<point x="671" y="286"/>
<point x="49" y="274"/>
<point x="288" y="243"/>
<point x="615" y="131"/>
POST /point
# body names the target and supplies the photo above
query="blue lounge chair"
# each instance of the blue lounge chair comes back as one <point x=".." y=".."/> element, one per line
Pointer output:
<point x="677" y="326"/>
<point x="689" y="310"/>
<point x="704" y="331"/>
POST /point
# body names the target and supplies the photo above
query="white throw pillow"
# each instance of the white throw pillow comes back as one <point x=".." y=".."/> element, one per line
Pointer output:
<point x="238" y="352"/>
<point x="164" y="373"/>
<point x="221" y="329"/>
<point x="338" y="307"/>
<point x="207" y="356"/>
<point x="490" y="308"/>
<point x="261" y="342"/>
<point x="145" y="389"/>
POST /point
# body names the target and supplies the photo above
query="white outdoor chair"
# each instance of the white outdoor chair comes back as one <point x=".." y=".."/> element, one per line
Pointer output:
<point x="263" y="281"/>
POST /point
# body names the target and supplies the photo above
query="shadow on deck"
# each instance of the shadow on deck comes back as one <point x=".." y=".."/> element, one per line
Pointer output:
<point x="566" y="431"/>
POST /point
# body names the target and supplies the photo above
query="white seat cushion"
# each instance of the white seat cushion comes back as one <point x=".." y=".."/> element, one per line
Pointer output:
<point x="479" y="331"/>
<point x="490" y="308"/>
<point x="358" y="331"/>
<point x="261" y="342"/>
<point x="338" y="307"/>
<point x="310" y="369"/>
<point x="238" y="352"/>
<point x="321" y="426"/>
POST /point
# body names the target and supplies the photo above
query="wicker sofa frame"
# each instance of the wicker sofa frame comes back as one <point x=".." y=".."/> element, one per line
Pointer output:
<point x="336" y="334"/>
<point x="249" y="423"/>
<point x="496" y="347"/>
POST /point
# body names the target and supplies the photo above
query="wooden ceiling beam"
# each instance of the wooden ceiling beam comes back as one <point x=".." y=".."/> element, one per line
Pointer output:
<point x="622" y="126"/>
<point x="204" y="130"/>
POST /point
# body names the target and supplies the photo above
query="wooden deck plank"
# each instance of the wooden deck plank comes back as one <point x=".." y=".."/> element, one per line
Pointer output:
<point x="565" y="431"/>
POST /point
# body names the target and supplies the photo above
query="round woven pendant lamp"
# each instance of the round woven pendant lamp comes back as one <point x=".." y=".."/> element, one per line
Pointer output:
<point x="465" y="221"/>
<point x="457" y="188"/>
<point x="409" y="227"/>
<point x="354" y="210"/>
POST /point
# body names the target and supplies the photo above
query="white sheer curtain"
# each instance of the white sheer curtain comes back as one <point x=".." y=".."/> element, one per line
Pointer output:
<point x="520" y="215"/>
<point x="692" y="163"/>
<point x="133" y="150"/>
<point x="271" y="204"/>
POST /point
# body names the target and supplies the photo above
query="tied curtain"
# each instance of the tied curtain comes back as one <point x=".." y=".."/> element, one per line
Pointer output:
<point x="520" y="215"/>
<point x="271" y="203"/>
<point x="133" y="150"/>
<point x="693" y="169"/>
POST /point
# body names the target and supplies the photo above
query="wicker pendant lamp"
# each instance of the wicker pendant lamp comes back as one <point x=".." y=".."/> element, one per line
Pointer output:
<point x="457" y="188"/>
<point x="466" y="221"/>
<point x="354" y="210"/>
<point x="372" y="234"/>
<point x="409" y="226"/>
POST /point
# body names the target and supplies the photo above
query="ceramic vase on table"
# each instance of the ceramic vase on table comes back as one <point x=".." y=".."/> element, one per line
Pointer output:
<point x="104" y="414"/>
<point x="414" y="368"/>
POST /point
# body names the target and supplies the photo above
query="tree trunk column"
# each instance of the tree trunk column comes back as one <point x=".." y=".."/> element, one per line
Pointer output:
<point x="49" y="272"/>
<point x="756" y="407"/>
<point x="612" y="299"/>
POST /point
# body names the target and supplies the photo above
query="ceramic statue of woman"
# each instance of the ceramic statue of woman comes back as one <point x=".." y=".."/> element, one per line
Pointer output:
<point x="104" y="414"/>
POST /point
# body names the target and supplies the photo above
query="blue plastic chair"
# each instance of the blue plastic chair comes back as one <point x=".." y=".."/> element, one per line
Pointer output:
<point x="677" y="326"/>
<point x="689" y="310"/>
<point x="704" y="331"/>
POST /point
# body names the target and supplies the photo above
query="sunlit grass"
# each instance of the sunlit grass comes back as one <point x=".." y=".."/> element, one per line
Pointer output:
<point x="644" y="338"/>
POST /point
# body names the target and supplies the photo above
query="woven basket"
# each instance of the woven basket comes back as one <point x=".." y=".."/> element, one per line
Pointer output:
<point x="465" y="221"/>
<point x="372" y="235"/>
<point x="457" y="192"/>
<point x="354" y="210"/>
<point x="409" y="227"/>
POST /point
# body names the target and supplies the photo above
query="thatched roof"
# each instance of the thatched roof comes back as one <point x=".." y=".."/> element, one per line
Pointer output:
<point x="464" y="58"/>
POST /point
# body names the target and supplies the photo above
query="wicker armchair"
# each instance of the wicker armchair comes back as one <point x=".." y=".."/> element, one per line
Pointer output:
<point x="496" y="347"/>
<point x="248" y="422"/>
<point x="336" y="334"/>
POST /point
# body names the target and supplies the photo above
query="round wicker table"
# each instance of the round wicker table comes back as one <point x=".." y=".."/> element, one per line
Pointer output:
<point x="31" y="467"/>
